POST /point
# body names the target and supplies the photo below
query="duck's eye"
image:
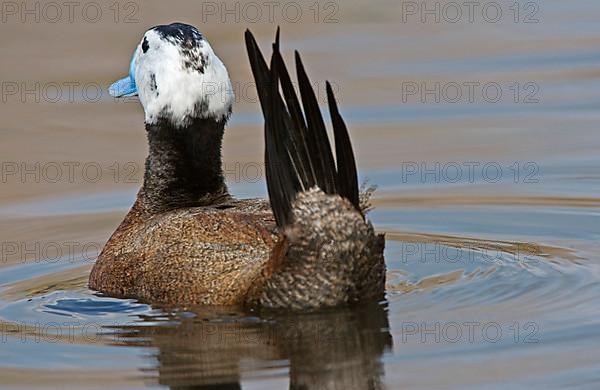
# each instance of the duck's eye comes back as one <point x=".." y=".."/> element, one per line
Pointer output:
<point x="145" y="45"/>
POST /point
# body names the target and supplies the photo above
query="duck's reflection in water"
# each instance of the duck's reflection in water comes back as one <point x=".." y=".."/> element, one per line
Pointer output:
<point x="333" y="349"/>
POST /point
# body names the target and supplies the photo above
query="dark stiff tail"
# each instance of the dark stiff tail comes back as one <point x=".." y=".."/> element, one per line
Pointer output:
<point x="298" y="154"/>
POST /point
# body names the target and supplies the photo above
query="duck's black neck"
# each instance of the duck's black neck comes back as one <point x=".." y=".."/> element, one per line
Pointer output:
<point x="183" y="167"/>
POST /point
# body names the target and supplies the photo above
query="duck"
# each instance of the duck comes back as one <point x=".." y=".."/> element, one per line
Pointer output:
<point x="187" y="241"/>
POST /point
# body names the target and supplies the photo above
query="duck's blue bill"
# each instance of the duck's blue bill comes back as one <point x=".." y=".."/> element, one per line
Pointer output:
<point x="126" y="86"/>
<point x="123" y="88"/>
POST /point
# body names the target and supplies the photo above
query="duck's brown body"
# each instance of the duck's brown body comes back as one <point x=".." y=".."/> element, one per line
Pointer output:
<point x="230" y="253"/>
<point x="203" y="255"/>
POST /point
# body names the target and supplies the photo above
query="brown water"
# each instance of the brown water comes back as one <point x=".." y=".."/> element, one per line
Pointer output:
<point x="490" y="203"/>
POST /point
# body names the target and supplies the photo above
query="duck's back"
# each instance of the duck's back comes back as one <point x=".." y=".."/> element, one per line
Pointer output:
<point x="204" y="255"/>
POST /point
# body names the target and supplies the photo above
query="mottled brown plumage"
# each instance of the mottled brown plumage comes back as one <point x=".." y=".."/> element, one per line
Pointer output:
<point x="201" y="255"/>
<point x="186" y="241"/>
<point x="230" y="253"/>
<point x="333" y="256"/>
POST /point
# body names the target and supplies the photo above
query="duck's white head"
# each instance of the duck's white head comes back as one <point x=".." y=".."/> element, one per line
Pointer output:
<point x="177" y="76"/>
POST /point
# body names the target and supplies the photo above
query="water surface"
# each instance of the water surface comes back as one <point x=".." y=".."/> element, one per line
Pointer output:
<point x="491" y="209"/>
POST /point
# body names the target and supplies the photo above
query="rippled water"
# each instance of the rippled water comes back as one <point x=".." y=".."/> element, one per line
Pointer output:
<point x="491" y="210"/>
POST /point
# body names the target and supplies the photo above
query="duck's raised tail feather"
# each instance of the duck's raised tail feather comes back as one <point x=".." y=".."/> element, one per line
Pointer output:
<point x="298" y="154"/>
